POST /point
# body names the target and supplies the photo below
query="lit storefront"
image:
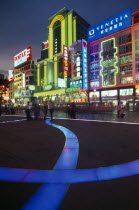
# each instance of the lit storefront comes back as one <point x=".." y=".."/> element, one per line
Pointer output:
<point x="55" y="71"/>
<point x="24" y="70"/>
<point x="114" y="59"/>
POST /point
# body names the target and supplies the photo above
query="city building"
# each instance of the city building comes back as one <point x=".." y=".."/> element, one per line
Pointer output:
<point x="24" y="77"/>
<point x="11" y="86"/>
<point x="1" y="76"/>
<point x="114" y="60"/>
<point x="65" y="28"/>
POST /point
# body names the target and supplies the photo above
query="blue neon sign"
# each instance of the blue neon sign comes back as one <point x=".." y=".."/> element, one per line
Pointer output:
<point x="85" y="66"/>
<point x="110" y="26"/>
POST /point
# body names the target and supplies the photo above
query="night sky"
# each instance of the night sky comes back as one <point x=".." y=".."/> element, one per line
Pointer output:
<point x="24" y="23"/>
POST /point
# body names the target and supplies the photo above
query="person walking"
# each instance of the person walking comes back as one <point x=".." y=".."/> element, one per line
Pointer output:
<point x="118" y="109"/>
<point x="36" y="109"/>
<point x="51" y="109"/>
<point x="122" y="114"/>
<point x="45" y="110"/>
<point x="28" y="108"/>
<point x="73" y="110"/>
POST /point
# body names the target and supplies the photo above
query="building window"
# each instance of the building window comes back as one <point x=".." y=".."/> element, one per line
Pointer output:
<point x="94" y="66"/>
<point x="125" y="49"/>
<point x="124" y="39"/>
<point x="94" y="57"/>
<point x="94" y="75"/>
<point x="106" y="93"/>
<point x="126" y="69"/>
<point x="126" y="80"/>
<point x="126" y="92"/>
<point x="136" y="19"/>
<point x="125" y="59"/>
<point x="94" y="49"/>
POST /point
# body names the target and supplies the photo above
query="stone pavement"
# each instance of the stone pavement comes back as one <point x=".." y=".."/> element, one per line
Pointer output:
<point x="101" y="144"/>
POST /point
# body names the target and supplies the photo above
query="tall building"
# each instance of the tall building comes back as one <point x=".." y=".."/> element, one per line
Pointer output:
<point x="114" y="60"/>
<point x="65" y="28"/>
<point x="24" y="77"/>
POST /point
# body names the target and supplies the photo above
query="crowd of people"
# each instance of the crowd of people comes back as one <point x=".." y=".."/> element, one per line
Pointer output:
<point x="36" y="109"/>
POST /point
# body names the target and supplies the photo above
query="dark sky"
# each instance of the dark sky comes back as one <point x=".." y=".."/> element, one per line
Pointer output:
<point x="24" y="22"/>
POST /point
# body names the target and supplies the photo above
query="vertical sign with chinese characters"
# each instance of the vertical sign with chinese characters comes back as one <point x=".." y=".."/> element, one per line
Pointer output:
<point x="23" y="80"/>
<point x="65" y="60"/>
<point x="84" y="65"/>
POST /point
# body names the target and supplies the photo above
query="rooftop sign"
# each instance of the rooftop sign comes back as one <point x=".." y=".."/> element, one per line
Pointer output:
<point x="110" y="26"/>
<point x="23" y="56"/>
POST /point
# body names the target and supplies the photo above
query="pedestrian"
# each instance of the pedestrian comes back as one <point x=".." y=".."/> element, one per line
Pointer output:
<point x="51" y="109"/>
<point x="122" y="112"/>
<point x="118" y="109"/>
<point x="45" y="110"/>
<point x="28" y="110"/>
<point x="69" y="110"/>
<point x="36" y="110"/>
<point x="73" y="110"/>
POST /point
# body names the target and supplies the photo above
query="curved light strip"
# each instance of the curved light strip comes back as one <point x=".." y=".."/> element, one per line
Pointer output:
<point x="12" y="121"/>
<point x="50" y="196"/>
<point x="70" y="176"/>
<point x="59" y="178"/>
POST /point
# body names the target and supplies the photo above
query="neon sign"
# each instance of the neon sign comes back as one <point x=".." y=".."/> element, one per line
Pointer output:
<point x="65" y="60"/>
<point x="23" y="80"/>
<point x="85" y="66"/>
<point x="24" y="56"/>
<point x="109" y="26"/>
<point x="108" y="62"/>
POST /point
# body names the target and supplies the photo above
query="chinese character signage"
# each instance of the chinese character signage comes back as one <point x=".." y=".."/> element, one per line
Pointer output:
<point x="110" y="26"/>
<point x="23" y="80"/>
<point x="85" y="65"/>
<point x="23" y="56"/>
<point x="65" y="60"/>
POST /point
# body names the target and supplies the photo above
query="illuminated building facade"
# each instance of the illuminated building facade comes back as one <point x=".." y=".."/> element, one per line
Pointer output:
<point x="24" y="76"/>
<point x="65" y="28"/>
<point x="114" y="59"/>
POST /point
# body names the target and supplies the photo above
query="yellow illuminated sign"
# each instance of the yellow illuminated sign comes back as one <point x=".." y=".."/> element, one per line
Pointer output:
<point x="108" y="64"/>
<point x="53" y="92"/>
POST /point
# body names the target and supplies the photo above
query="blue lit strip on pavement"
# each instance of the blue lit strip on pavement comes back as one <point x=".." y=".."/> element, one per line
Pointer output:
<point x="12" y="121"/>
<point x="70" y="176"/>
<point x="58" y="179"/>
<point x="50" y="196"/>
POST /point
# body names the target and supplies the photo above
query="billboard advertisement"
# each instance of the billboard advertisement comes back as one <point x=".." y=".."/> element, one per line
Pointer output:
<point x="22" y="57"/>
<point x="110" y="26"/>
<point x="85" y="65"/>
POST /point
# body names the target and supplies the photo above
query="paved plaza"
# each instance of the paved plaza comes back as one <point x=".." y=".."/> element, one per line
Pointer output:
<point x="98" y="172"/>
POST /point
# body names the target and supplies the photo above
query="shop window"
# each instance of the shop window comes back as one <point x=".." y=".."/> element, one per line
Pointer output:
<point x="126" y="80"/>
<point x="126" y="92"/>
<point x="109" y="93"/>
